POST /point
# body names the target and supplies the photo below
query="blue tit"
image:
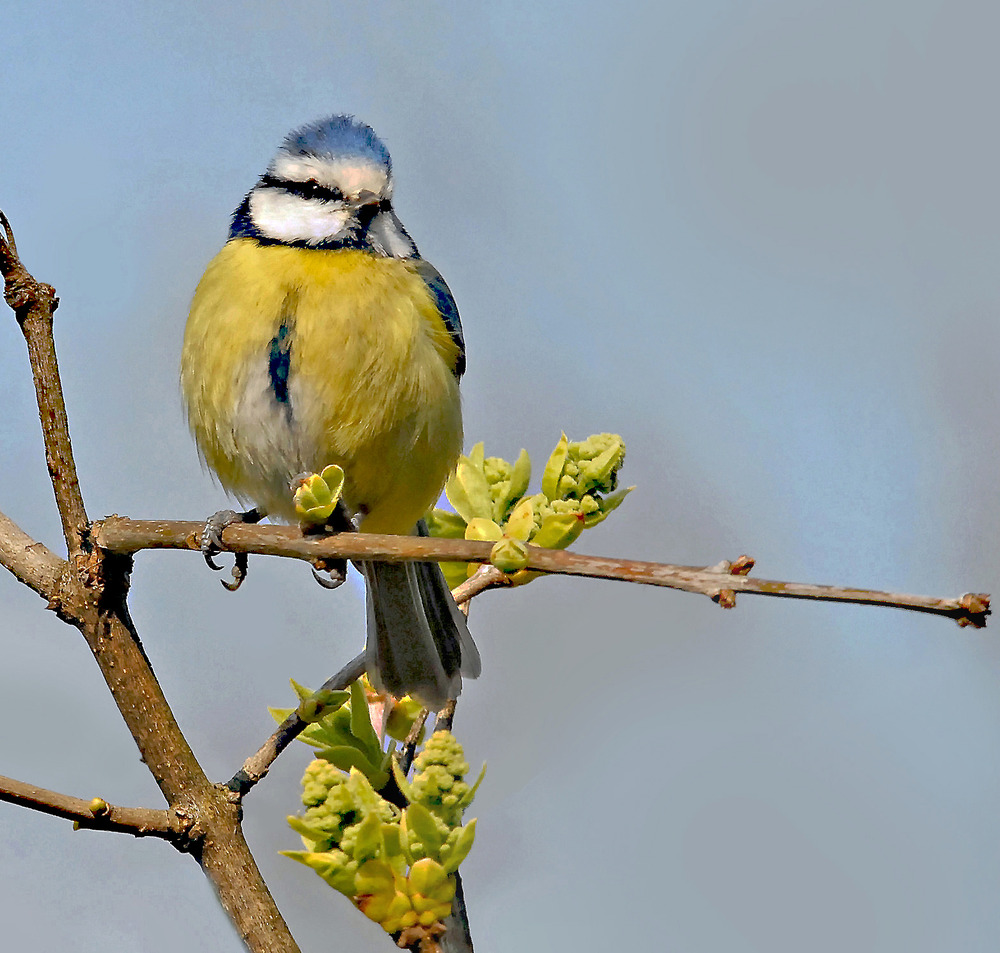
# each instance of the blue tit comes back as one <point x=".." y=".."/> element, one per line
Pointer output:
<point x="318" y="335"/>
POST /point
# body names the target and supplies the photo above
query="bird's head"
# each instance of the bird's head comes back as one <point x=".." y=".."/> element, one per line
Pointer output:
<point x="328" y="186"/>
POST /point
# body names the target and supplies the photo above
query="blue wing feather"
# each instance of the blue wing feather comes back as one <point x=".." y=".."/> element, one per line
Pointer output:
<point x="447" y="308"/>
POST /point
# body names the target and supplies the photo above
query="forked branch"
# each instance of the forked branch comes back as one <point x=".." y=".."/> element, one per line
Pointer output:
<point x="89" y="591"/>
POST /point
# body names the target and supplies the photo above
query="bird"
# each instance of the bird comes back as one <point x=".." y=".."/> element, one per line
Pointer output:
<point x="318" y="335"/>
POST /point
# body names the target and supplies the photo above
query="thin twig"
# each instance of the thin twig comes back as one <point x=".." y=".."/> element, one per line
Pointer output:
<point x="96" y="814"/>
<point x="484" y="578"/>
<point x="411" y="742"/>
<point x="458" y="934"/>
<point x="258" y="764"/>
<point x="121" y="535"/>
<point x="34" y="304"/>
<point x="446" y="716"/>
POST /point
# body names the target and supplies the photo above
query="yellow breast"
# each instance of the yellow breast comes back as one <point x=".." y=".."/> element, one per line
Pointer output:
<point x="297" y="358"/>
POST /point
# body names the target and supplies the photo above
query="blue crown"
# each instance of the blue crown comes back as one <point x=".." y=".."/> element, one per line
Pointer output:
<point x="338" y="137"/>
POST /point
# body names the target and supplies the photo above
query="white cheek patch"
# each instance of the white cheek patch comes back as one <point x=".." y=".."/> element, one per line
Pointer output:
<point x="352" y="176"/>
<point x="292" y="218"/>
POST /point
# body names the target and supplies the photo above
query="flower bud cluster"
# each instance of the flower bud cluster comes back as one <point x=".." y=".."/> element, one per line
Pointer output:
<point x="579" y="490"/>
<point x="396" y="864"/>
<point x="439" y="778"/>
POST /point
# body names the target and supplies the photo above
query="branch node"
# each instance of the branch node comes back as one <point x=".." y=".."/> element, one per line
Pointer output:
<point x="99" y="807"/>
<point x="976" y="606"/>
<point x="741" y="566"/>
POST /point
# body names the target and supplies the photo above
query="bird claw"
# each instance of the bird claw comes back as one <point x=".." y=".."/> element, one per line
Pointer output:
<point x="336" y="568"/>
<point x="211" y="533"/>
<point x="340" y="521"/>
<point x="211" y="543"/>
<point x="239" y="572"/>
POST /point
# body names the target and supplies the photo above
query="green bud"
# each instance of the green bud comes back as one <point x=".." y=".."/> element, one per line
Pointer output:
<point x="429" y="879"/>
<point x="375" y="877"/>
<point x="393" y="912"/>
<point x="432" y="915"/>
<point x="509" y="555"/>
<point x="322" y="703"/>
<point x="402" y="715"/>
<point x="601" y="472"/>
<point x="309" y="709"/>
<point x="317" y="495"/>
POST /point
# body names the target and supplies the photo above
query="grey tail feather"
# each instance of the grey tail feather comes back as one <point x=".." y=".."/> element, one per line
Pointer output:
<point x="418" y="641"/>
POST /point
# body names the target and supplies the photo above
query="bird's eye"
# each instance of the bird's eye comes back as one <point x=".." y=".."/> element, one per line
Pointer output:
<point x="313" y="190"/>
<point x="310" y="189"/>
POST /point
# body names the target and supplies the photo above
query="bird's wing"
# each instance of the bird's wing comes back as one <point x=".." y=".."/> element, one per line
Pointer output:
<point x="447" y="307"/>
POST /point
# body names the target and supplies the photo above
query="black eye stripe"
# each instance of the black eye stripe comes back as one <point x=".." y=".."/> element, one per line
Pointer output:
<point x="307" y="190"/>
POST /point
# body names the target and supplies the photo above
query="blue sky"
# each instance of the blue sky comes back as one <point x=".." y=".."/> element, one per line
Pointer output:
<point x="759" y="240"/>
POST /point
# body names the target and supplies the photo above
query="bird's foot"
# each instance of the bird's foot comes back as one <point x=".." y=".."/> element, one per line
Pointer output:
<point x="336" y="570"/>
<point x="211" y="542"/>
<point x="340" y="521"/>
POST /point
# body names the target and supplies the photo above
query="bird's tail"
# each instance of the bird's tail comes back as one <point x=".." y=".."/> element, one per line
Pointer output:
<point x="418" y="640"/>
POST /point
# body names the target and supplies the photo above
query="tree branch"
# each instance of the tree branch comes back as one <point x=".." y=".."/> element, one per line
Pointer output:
<point x="30" y="562"/>
<point x="34" y="304"/>
<point x="90" y="592"/>
<point x="257" y="765"/>
<point x="120" y="535"/>
<point x="485" y="578"/>
<point x="96" y="814"/>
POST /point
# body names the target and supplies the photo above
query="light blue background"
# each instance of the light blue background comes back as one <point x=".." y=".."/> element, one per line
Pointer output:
<point x="757" y="239"/>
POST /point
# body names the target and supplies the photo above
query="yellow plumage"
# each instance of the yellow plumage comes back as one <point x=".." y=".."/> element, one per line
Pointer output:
<point x="369" y="378"/>
<point x="318" y="336"/>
